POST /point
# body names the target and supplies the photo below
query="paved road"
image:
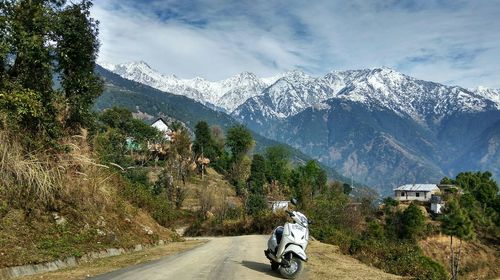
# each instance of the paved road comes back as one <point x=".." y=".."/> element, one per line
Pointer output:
<point x="239" y="257"/>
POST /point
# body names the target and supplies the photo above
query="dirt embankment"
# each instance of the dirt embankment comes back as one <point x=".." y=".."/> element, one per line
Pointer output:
<point x="327" y="262"/>
<point x="64" y="205"/>
<point x="478" y="261"/>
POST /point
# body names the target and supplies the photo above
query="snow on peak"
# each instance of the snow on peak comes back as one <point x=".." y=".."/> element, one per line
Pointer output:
<point x="228" y="94"/>
<point x="489" y="93"/>
<point x="291" y="92"/>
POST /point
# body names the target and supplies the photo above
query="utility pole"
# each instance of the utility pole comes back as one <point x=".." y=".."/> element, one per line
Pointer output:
<point x="202" y="164"/>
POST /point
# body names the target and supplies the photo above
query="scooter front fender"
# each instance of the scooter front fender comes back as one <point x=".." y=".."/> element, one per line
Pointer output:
<point x="297" y="250"/>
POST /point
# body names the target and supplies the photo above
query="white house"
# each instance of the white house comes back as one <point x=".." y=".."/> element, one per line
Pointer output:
<point x="420" y="192"/>
<point x="162" y="126"/>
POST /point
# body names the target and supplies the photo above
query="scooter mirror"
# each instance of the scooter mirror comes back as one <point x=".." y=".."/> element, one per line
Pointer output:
<point x="294" y="201"/>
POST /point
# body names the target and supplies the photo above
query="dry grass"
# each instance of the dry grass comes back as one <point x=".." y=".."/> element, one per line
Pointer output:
<point x="327" y="262"/>
<point x="213" y="193"/>
<point x="27" y="178"/>
<point x="478" y="261"/>
<point x="38" y="180"/>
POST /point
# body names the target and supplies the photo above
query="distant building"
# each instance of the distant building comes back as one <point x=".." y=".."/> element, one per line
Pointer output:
<point x="437" y="204"/>
<point x="446" y="188"/>
<point x="162" y="126"/>
<point x="277" y="205"/>
<point x="419" y="192"/>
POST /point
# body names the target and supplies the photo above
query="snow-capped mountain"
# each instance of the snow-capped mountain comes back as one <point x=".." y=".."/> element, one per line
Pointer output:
<point x="379" y="87"/>
<point x="489" y="93"/>
<point x="227" y="94"/>
<point x="287" y="94"/>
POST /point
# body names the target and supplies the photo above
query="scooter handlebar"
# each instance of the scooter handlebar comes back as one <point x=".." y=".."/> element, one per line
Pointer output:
<point x="289" y="213"/>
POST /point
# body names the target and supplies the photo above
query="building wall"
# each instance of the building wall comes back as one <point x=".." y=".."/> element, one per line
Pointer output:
<point x="412" y="195"/>
<point x="436" y="208"/>
<point x="161" y="126"/>
<point x="276" y="205"/>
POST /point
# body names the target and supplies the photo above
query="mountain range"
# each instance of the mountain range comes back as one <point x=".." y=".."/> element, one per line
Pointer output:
<point x="224" y="95"/>
<point x="380" y="126"/>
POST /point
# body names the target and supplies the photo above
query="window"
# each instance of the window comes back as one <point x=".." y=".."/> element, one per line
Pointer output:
<point x="402" y="193"/>
<point x="417" y="194"/>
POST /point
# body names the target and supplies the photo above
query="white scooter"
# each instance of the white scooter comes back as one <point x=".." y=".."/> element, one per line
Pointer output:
<point x="286" y="248"/>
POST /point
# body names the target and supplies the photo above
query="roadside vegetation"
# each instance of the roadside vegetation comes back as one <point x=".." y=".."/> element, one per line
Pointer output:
<point x="58" y="198"/>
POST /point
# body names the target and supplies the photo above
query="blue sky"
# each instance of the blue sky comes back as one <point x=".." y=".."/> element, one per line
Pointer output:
<point x="449" y="41"/>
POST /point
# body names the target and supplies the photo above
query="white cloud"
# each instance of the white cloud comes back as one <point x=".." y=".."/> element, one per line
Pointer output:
<point x="456" y="43"/>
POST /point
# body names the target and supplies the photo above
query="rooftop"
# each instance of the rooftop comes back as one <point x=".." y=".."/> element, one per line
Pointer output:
<point x="417" y="187"/>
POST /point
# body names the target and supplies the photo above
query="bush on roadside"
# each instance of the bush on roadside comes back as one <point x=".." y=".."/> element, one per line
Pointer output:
<point x="263" y="223"/>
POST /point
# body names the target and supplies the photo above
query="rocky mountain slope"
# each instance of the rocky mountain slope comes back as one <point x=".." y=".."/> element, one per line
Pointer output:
<point x="378" y="125"/>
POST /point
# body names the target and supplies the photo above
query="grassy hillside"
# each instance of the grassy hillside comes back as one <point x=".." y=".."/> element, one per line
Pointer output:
<point x="478" y="261"/>
<point x="54" y="208"/>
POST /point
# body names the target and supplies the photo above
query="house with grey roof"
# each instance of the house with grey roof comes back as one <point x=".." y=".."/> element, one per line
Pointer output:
<point x="419" y="192"/>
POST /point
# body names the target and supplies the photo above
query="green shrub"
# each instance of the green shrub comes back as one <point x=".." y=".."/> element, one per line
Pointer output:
<point x="355" y="246"/>
<point x="401" y="258"/>
<point x="263" y="223"/>
<point x="256" y="203"/>
<point x="142" y="197"/>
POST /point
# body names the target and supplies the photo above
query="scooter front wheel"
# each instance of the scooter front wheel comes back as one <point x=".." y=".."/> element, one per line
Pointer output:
<point x="274" y="265"/>
<point x="293" y="269"/>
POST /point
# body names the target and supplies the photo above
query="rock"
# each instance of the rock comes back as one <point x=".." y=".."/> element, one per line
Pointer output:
<point x="100" y="232"/>
<point x="209" y="215"/>
<point x="60" y="220"/>
<point x="147" y="230"/>
<point x="138" y="248"/>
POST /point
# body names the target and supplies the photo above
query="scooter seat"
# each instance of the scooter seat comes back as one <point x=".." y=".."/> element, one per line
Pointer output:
<point x="279" y="234"/>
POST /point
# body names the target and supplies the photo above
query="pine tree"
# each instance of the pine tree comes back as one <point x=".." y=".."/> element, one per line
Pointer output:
<point x="277" y="161"/>
<point x="257" y="177"/>
<point x="455" y="222"/>
<point x="204" y="143"/>
<point x="413" y="222"/>
<point x="240" y="141"/>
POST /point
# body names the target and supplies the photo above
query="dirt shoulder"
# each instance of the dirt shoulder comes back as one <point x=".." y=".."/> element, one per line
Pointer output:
<point x="101" y="266"/>
<point x="327" y="262"/>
